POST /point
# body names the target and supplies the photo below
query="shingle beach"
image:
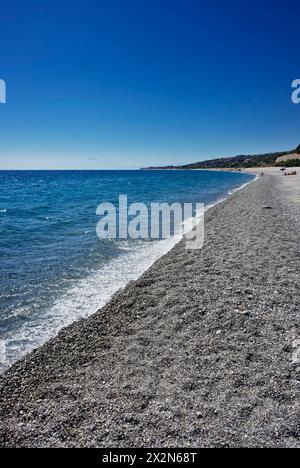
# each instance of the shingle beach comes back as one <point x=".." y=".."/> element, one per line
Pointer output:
<point x="201" y="351"/>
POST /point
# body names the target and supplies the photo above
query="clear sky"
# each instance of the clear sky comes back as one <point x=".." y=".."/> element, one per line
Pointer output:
<point x="127" y="83"/>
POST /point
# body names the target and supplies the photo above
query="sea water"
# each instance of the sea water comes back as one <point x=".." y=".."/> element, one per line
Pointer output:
<point x="54" y="269"/>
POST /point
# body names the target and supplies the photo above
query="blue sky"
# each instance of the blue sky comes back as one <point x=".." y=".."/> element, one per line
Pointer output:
<point x="128" y="83"/>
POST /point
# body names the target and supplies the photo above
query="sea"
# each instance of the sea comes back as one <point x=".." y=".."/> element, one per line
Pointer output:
<point x="54" y="269"/>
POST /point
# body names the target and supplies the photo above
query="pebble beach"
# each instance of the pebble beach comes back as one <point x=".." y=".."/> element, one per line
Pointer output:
<point x="200" y="351"/>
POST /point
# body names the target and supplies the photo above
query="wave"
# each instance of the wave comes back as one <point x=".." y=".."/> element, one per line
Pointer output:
<point x="90" y="294"/>
<point x="232" y="191"/>
<point x="86" y="297"/>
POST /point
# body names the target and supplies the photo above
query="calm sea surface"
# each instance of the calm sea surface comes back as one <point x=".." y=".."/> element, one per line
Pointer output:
<point x="53" y="267"/>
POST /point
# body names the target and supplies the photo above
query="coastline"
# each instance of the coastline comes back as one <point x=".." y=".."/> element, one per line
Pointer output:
<point x="57" y="309"/>
<point x="195" y="353"/>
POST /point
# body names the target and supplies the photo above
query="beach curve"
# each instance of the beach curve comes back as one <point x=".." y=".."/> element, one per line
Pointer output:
<point x="195" y="353"/>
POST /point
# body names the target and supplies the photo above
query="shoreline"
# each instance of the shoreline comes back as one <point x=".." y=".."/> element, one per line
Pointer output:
<point x="195" y="353"/>
<point x="147" y="255"/>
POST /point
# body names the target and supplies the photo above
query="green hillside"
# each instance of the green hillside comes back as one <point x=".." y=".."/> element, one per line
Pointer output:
<point x="234" y="162"/>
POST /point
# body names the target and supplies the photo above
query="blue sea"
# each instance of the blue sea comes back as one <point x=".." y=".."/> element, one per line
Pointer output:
<point x="54" y="268"/>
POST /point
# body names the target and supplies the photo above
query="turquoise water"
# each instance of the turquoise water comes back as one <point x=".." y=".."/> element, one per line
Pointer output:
<point x="54" y="268"/>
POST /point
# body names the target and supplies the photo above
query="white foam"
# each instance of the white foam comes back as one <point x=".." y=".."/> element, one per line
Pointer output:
<point x="231" y="192"/>
<point x="89" y="294"/>
<point x="86" y="297"/>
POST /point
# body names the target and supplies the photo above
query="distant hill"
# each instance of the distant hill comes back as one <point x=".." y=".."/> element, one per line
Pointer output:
<point x="289" y="160"/>
<point x="287" y="157"/>
<point x="236" y="162"/>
